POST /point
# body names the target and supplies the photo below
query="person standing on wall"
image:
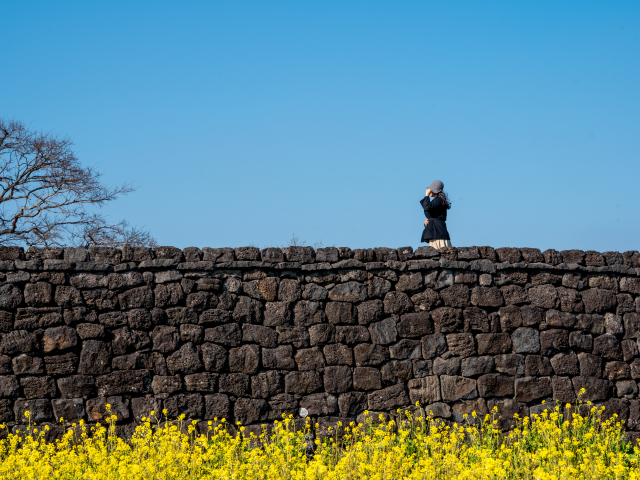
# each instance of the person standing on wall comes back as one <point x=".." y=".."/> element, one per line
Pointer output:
<point x="435" y="226"/>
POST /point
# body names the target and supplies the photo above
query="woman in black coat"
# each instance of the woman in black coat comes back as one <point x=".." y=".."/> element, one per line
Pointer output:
<point x="435" y="227"/>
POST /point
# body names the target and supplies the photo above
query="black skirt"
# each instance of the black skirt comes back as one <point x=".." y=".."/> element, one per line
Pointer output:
<point x="435" y="230"/>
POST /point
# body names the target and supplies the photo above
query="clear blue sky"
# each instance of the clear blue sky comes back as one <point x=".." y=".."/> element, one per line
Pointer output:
<point x="244" y="122"/>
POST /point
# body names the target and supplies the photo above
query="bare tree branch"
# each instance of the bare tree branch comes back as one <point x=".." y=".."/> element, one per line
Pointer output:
<point x="47" y="197"/>
<point x="99" y="234"/>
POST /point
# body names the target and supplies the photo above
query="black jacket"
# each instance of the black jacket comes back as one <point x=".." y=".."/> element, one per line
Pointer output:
<point x="436" y="212"/>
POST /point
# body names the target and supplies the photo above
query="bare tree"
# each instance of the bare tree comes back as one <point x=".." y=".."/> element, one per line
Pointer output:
<point x="47" y="198"/>
<point x="118" y="235"/>
<point x="296" y="242"/>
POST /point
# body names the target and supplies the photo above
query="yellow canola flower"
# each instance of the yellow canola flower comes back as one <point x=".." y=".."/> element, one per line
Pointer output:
<point x="556" y="444"/>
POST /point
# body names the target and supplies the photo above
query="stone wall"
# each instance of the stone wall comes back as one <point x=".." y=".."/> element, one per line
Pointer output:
<point x="248" y="335"/>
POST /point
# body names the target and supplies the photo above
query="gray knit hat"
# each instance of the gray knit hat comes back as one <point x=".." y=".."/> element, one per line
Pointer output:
<point x="436" y="186"/>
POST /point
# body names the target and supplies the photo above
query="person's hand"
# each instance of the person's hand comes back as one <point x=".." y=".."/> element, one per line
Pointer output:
<point x="428" y="192"/>
<point x="426" y="222"/>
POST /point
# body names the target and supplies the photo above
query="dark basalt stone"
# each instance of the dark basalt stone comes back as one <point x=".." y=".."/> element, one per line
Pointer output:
<point x="248" y="335"/>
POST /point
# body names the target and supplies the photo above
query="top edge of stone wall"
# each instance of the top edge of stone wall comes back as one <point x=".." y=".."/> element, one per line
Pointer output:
<point x="482" y="259"/>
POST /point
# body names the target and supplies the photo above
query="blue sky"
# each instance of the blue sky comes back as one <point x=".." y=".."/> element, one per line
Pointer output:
<point x="245" y="122"/>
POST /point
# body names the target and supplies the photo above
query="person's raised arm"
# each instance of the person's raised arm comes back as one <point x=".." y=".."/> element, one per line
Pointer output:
<point x="426" y="201"/>
<point x="428" y="204"/>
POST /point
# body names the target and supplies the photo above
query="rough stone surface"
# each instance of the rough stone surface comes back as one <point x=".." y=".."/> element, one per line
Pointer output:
<point x="565" y="364"/>
<point x="461" y="344"/>
<point x="384" y="332"/>
<point x="414" y="325"/>
<point x="529" y="389"/>
<point x="447" y="319"/>
<point x="247" y="335"/>
<point x="367" y="378"/>
<point x="425" y="390"/>
<point x="433" y="345"/>
<point x="456" y="388"/>
<point x="495" y="385"/>
<point x="537" y="366"/>
<point x="510" y="363"/>
<point x="493" y="343"/>
<point x="349" y="292"/>
<point x="474" y="366"/>
<point x="388" y="398"/>
<point x="554" y="340"/>
<point x="598" y="300"/>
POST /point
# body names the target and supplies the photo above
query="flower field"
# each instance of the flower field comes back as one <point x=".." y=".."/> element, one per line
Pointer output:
<point x="547" y="446"/>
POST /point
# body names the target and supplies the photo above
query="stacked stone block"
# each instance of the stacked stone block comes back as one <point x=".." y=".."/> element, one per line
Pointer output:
<point x="248" y="334"/>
